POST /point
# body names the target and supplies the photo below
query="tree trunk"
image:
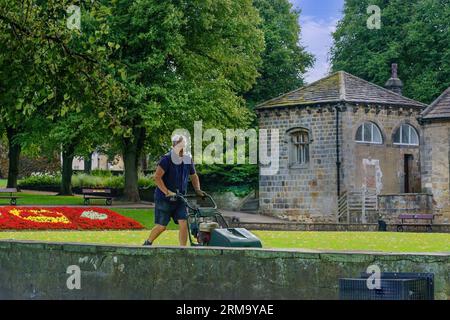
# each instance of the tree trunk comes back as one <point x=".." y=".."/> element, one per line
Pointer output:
<point x="132" y="148"/>
<point x="88" y="163"/>
<point x="66" y="179"/>
<point x="14" y="150"/>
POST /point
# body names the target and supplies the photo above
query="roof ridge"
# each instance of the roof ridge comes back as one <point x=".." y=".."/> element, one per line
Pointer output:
<point x="342" y="91"/>
<point x="301" y="88"/>
<point x="435" y="102"/>
<point x="384" y="89"/>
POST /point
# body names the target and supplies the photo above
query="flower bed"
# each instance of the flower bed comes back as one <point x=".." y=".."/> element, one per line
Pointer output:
<point x="89" y="218"/>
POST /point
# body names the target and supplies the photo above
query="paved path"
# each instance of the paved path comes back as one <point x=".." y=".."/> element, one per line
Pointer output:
<point x="250" y="217"/>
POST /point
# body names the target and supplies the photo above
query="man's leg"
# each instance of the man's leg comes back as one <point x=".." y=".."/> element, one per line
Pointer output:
<point x="162" y="218"/>
<point x="183" y="234"/>
<point x="156" y="231"/>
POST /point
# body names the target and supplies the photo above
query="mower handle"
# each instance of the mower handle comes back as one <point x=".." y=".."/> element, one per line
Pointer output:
<point x="184" y="199"/>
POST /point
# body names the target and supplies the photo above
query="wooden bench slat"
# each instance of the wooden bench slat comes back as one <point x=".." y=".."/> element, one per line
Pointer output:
<point x="97" y="197"/>
<point x="96" y="190"/>
<point x="97" y="193"/>
<point x="8" y="190"/>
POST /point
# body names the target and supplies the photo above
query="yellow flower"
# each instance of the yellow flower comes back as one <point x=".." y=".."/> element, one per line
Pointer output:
<point x="40" y="216"/>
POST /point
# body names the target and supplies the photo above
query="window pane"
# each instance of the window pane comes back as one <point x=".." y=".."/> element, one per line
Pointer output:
<point x="306" y="153"/>
<point x="359" y="134"/>
<point x="414" y="137"/>
<point x="405" y="133"/>
<point x="299" y="147"/>
<point x="367" y="132"/>
<point x="376" y="135"/>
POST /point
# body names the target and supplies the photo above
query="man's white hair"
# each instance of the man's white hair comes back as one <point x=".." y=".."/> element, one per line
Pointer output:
<point x="177" y="138"/>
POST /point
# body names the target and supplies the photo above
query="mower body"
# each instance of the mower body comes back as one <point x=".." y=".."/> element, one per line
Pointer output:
<point x="234" y="237"/>
<point x="207" y="227"/>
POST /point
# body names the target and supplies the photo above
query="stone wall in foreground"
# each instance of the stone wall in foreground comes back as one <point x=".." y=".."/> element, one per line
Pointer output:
<point x="32" y="270"/>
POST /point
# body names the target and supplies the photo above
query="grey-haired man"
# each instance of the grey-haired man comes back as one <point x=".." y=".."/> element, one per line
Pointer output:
<point x="171" y="176"/>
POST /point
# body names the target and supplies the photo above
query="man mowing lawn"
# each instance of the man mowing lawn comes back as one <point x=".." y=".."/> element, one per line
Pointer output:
<point x="171" y="176"/>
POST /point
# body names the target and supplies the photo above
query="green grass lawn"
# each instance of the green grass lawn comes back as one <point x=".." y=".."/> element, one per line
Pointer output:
<point x="2" y="183"/>
<point x="45" y="199"/>
<point x="145" y="216"/>
<point x="371" y="241"/>
<point x="38" y="199"/>
<point x="345" y="241"/>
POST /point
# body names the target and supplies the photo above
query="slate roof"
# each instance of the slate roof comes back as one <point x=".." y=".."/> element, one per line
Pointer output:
<point x="340" y="87"/>
<point x="439" y="109"/>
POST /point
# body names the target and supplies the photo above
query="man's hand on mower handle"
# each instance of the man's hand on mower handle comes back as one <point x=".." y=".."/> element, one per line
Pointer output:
<point x="170" y="194"/>
<point x="200" y="193"/>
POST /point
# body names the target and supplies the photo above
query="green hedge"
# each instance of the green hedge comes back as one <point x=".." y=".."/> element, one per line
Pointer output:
<point x="95" y="180"/>
<point x="239" y="179"/>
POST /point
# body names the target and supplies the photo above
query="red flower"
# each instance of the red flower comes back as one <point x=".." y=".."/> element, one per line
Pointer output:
<point x="85" y="218"/>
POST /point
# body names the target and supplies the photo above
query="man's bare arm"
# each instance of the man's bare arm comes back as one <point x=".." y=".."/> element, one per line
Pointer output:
<point x="195" y="181"/>
<point x="159" y="181"/>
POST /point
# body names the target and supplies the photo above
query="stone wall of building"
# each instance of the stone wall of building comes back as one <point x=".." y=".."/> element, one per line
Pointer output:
<point x="307" y="193"/>
<point x="391" y="205"/>
<point x="378" y="167"/>
<point x="435" y="166"/>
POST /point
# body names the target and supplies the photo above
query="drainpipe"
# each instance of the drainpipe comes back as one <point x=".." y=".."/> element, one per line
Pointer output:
<point x="338" y="157"/>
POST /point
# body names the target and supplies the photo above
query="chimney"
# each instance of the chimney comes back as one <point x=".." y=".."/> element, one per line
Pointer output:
<point x="394" y="83"/>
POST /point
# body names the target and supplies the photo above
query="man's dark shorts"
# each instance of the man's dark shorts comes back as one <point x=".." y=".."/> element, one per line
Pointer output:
<point x="164" y="210"/>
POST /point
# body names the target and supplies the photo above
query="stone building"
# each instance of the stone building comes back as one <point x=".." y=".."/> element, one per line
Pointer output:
<point x="435" y="149"/>
<point x="343" y="142"/>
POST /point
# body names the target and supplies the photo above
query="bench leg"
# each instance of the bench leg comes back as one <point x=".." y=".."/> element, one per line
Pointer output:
<point x="13" y="202"/>
<point x="108" y="202"/>
<point x="429" y="228"/>
<point x="399" y="228"/>
<point x="86" y="202"/>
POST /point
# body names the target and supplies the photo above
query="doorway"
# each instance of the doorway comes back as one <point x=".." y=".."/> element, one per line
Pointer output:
<point x="408" y="162"/>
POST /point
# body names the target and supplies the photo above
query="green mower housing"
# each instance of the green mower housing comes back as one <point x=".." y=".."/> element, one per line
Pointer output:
<point x="234" y="237"/>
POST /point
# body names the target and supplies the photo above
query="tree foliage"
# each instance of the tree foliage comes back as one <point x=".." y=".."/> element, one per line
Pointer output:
<point x="284" y="60"/>
<point x="47" y="69"/>
<point x="184" y="61"/>
<point x="415" y="34"/>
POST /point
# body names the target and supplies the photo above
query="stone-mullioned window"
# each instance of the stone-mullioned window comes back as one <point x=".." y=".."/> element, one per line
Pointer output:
<point x="369" y="132"/>
<point x="406" y="135"/>
<point x="299" y="147"/>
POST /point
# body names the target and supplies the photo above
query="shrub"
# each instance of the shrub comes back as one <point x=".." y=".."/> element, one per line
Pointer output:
<point x="239" y="179"/>
<point x="41" y="179"/>
<point x="102" y="180"/>
<point x="101" y="173"/>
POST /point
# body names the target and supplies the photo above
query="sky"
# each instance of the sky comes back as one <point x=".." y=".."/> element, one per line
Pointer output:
<point x="318" y="20"/>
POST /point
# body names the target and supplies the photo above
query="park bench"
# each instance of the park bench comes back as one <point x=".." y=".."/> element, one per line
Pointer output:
<point x="97" y="193"/>
<point x="424" y="217"/>
<point x="12" y="197"/>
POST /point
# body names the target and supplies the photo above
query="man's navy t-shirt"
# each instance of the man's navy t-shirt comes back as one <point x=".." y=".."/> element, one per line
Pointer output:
<point x="176" y="176"/>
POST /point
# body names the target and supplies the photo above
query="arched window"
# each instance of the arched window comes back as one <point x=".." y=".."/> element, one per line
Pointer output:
<point x="369" y="132"/>
<point x="299" y="141"/>
<point x="406" y="134"/>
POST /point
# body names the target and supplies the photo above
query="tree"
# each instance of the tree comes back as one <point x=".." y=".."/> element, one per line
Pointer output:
<point x="284" y="60"/>
<point x="47" y="68"/>
<point x="184" y="61"/>
<point x="415" y="35"/>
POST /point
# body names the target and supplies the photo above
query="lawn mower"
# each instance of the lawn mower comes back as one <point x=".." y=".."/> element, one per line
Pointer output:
<point x="207" y="226"/>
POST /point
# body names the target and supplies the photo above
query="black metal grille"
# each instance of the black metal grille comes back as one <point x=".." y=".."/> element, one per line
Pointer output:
<point x="394" y="286"/>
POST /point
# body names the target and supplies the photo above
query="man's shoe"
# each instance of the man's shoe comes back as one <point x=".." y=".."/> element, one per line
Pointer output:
<point x="147" y="243"/>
